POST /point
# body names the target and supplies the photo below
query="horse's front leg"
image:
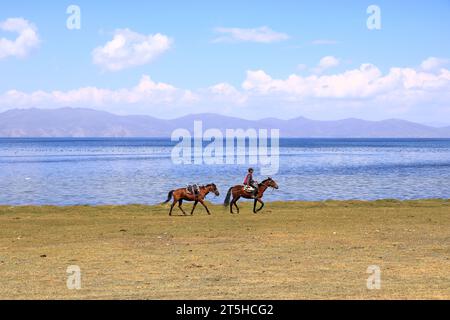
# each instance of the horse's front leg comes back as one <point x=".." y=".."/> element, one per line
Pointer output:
<point x="262" y="204"/>
<point x="193" y="208"/>
<point x="203" y="204"/>
<point x="254" y="205"/>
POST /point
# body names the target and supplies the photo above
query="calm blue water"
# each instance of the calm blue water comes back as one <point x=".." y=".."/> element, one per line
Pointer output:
<point x="123" y="171"/>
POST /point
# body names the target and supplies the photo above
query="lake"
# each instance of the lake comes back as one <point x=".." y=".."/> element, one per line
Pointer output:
<point x="133" y="170"/>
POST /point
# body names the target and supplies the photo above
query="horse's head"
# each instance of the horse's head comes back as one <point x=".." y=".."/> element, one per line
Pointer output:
<point x="269" y="182"/>
<point x="213" y="188"/>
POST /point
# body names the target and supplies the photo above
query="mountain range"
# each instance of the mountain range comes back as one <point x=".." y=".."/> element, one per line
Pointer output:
<point x="80" y="122"/>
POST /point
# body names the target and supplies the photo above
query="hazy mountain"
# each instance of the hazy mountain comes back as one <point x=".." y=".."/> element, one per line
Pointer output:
<point x="71" y="122"/>
<point x="437" y="124"/>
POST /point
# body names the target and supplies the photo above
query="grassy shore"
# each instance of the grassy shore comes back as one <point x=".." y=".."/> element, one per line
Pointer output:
<point x="294" y="250"/>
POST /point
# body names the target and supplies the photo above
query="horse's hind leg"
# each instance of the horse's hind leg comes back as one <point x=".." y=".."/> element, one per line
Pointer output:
<point x="171" y="207"/>
<point x="180" y="202"/>
<point x="193" y="208"/>
<point x="235" y="204"/>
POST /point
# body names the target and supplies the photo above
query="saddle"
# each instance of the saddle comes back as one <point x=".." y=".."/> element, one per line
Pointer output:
<point x="193" y="189"/>
<point x="248" y="188"/>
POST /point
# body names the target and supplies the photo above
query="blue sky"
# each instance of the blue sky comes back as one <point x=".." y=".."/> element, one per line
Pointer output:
<point x="183" y="76"/>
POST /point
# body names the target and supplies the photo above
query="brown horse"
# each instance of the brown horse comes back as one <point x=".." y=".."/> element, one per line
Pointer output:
<point x="182" y="194"/>
<point x="238" y="192"/>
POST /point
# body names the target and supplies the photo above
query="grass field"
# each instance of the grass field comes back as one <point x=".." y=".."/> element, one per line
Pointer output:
<point x="295" y="250"/>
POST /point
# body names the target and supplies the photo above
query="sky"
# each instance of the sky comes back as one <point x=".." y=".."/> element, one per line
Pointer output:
<point x="323" y="60"/>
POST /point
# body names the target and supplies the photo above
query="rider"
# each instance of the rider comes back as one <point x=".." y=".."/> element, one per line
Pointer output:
<point x="249" y="182"/>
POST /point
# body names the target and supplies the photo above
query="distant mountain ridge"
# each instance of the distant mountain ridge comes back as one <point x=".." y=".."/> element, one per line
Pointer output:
<point x="79" y="122"/>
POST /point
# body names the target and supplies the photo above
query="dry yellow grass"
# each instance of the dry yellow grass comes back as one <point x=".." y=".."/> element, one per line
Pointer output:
<point x="296" y="250"/>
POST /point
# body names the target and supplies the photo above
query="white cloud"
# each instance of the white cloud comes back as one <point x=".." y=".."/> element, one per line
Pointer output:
<point x="363" y="83"/>
<point x="26" y="41"/>
<point x="326" y="63"/>
<point x="146" y="92"/>
<point x="226" y="92"/>
<point x="260" y="35"/>
<point x="364" y="92"/>
<point x="433" y="63"/>
<point x="129" y="49"/>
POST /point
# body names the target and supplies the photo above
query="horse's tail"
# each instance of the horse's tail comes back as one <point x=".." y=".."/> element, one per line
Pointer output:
<point x="227" y="198"/>
<point x="169" y="196"/>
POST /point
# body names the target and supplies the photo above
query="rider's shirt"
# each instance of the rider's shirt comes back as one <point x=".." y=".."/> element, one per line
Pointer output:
<point x="248" y="179"/>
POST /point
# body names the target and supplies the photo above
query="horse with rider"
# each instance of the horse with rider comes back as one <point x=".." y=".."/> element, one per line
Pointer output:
<point x="250" y="189"/>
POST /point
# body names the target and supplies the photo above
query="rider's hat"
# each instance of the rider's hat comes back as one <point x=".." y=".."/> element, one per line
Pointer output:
<point x="250" y="169"/>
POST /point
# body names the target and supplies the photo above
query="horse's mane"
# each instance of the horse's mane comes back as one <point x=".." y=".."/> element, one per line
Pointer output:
<point x="262" y="182"/>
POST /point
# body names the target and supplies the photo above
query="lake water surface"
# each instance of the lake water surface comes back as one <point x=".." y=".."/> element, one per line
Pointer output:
<point x="123" y="171"/>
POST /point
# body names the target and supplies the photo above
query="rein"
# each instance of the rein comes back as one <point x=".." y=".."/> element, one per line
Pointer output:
<point x="263" y="183"/>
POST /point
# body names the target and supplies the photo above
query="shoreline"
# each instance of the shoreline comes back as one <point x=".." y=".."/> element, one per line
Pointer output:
<point x="330" y="202"/>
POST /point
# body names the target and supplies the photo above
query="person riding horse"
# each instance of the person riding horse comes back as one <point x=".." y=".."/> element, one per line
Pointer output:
<point x="250" y="184"/>
<point x="241" y="191"/>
